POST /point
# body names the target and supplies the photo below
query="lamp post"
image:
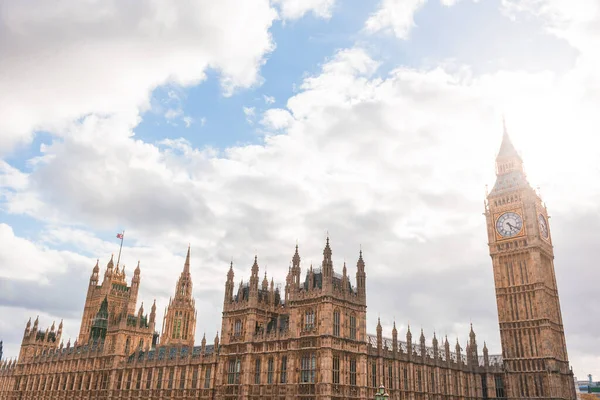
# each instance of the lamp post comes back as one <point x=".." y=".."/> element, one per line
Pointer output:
<point x="381" y="393"/>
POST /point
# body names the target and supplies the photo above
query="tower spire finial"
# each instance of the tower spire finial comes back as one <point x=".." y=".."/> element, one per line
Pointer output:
<point x="186" y="266"/>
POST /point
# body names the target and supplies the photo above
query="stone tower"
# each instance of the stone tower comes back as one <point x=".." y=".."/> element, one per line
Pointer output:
<point x="520" y="245"/>
<point x="179" y="325"/>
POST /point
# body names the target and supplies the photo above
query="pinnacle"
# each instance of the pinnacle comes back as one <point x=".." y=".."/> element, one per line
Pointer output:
<point x="186" y="266"/>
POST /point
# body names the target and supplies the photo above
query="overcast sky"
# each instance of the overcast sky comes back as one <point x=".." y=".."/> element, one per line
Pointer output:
<point x="242" y="127"/>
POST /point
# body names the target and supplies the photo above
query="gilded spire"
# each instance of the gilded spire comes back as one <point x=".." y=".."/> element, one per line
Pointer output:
<point x="507" y="149"/>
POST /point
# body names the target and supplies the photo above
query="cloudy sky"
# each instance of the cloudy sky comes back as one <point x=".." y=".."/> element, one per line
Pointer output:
<point x="243" y="126"/>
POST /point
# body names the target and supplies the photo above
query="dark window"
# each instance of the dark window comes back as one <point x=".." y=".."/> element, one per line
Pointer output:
<point x="390" y="377"/>
<point x="119" y="380"/>
<point x="233" y="373"/>
<point x="336" y="370"/>
<point x="405" y="373"/>
<point x="283" y="369"/>
<point x="433" y="388"/>
<point x="207" y="377"/>
<point x="484" y="387"/>
<point x="171" y="378"/>
<point x="309" y="320"/>
<point x="149" y="379"/>
<point x="182" y="378"/>
<point x="159" y="379"/>
<point x="353" y="327"/>
<point x="308" y="368"/>
<point x="374" y="374"/>
<point x="237" y="328"/>
<point x="128" y="384"/>
<point x="353" y="372"/>
<point x="499" y="387"/>
<point x="336" y="323"/>
<point x="195" y="377"/>
<point x="138" y="380"/>
<point x="257" y="371"/>
<point x="270" y="371"/>
<point x="419" y="386"/>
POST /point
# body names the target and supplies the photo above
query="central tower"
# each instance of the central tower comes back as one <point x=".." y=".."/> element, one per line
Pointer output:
<point x="520" y="244"/>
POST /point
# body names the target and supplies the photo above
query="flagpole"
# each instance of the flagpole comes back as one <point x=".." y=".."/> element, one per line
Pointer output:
<point x="120" y="247"/>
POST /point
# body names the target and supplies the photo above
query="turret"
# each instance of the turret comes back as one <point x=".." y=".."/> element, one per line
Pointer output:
<point x="458" y="353"/>
<point x="265" y="283"/>
<point x="379" y="335"/>
<point x="296" y="269"/>
<point x="229" y="285"/>
<point x="203" y="344"/>
<point x="473" y="357"/>
<point x="434" y="342"/>
<point x="422" y="343"/>
<point x="361" y="278"/>
<point x="94" y="276"/>
<point x="409" y="342"/>
<point x="108" y="273"/>
<point x="447" y="349"/>
<point x="486" y="357"/>
<point x="27" y="328"/>
<point x="327" y="264"/>
<point x="216" y="342"/>
<point x="153" y="314"/>
<point x="394" y="338"/>
<point x="254" y="279"/>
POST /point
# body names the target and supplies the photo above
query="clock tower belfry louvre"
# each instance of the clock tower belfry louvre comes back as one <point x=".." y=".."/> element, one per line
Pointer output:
<point x="520" y="243"/>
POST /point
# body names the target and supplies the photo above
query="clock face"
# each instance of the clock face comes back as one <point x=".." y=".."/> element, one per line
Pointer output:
<point x="543" y="226"/>
<point x="509" y="224"/>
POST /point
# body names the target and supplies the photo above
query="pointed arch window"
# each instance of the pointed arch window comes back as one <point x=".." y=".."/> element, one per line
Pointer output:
<point x="309" y="319"/>
<point x="237" y="327"/>
<point x="336" y="323"/>
<point x="353" y="326"/>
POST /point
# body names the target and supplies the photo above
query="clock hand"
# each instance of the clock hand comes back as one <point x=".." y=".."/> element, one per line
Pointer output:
<point x="510" y="225"/>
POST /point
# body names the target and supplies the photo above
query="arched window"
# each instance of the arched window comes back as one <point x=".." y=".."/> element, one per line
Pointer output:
<point x="309" y="319"/>
<point x="237" y="327"/>
<point x="336" y="323"/>
<point x="353" y="326"/>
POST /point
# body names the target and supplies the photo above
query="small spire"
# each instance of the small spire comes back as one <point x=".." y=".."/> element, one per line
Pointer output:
<point x="96" y="267"/>
<point x="186" y="266"/>
<point x="137" y="269"/>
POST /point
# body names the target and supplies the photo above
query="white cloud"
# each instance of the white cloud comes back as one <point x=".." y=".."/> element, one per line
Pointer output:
<point x="396" y="163"/>
<point x="294" y="9"/>
<point x="276" y="119"/>
<point x="189" y="121"/>
<point x="268" y="99"/>
<point x="106" y="59"/>
<point x="395" y="16"/>
<point x="171" y="113"/>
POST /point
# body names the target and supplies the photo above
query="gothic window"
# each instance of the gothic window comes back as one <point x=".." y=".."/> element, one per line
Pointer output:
<point x="419" y="381"/>
<point x="149" y="379"/>
<point x="283" y="369"/>
<point x="127" y="343"/>
<point x="270" y="371"/>
<point x="405" y="373"/>
<point x="484" y="387"/>
<point x="138" y="380"/>
<point x="353" y="326"/>
<point x="308" y="368"/>
<point x="309" y="320"/>
<point x="336" y="369"/>
<point x="195" y="377"/>
<point x="128" y="384"/>
<point x="390" y="377"/>
<point x="171" y="378"/>
<point x="119" y="380"/>
<point x="433" y="388"/>
<point x="353" y="371"/>
<point x="233" y="372"/>
<point x="207" y="377"/>
<point x="374" y="374"/>
<point x="237" y="328"/>
<point x="177" y="326"/>
<point x="182" y="378"/>
<point x="257" y="371"/>
<point x="336" y="323"/>
<point x="499" y="387"/>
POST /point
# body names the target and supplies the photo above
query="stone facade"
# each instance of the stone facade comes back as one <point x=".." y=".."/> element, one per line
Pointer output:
<point x="520" y="244"/>
<point x="310" y="342"/>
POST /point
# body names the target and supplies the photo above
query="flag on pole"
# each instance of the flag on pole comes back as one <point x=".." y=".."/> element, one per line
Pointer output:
<point x="119" y="236"/>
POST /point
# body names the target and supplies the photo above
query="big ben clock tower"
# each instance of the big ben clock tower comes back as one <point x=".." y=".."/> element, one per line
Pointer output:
<point x="520" y="244"/>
